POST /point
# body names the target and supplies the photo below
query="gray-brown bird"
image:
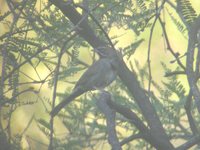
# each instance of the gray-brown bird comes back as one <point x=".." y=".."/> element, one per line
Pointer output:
<point x="97" y="77"/>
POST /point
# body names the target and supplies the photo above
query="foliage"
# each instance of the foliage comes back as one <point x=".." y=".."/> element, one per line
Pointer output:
<point x="186" y="10"/>
<point x="37" y="33"/>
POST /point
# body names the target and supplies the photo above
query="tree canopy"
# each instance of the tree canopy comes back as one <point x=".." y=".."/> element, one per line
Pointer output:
<point x="47" y="45"/>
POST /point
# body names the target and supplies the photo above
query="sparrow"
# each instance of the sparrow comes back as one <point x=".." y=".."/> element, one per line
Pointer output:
<point x="96" y="77"/>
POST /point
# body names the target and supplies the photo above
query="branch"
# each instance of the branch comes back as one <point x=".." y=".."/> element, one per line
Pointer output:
<point x="157" y="15"/>
<point x="189" y="115"/>
<point x="189" y="99"/>
<point x="110" y="120"/>
<point x="195" y="140"/>
<point x="191" y="75"/>
<point x="169" y="45"/>
<point x="193" y="29"/>
<point x="144" y="132"/>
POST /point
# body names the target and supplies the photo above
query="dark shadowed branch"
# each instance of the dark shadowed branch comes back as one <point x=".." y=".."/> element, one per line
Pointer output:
<point x="110" y="120"/>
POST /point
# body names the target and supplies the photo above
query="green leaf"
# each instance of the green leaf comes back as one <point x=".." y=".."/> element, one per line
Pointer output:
<point x="130" y="50"/>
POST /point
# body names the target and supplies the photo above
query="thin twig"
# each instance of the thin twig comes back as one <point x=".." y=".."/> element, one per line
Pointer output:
<point x="157" y="15"/>
<point x="2" y="103"/>
<point x="33" y="56"/>
<point x="17" y="31"/>
<point x="149" y="51"/>
<point x="99" y="25"/>
<point x="168" y="44"/>
<point x="55" y="90"/>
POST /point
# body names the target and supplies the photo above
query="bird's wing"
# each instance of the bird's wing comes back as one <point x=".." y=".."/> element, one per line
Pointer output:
<point x="89" y="77"/>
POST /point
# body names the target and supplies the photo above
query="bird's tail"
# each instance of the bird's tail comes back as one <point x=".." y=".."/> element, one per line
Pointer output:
<point x="71" y="97"/>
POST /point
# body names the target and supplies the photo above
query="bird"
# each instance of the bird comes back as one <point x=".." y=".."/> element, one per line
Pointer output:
<point x="98" y="76"/>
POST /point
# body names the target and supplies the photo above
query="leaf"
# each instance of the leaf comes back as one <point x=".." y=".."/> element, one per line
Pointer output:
<point x="44" y="123"/>
<point x="142" y="5"/>
<point x="70" y="71"/>
<point x="130" y="50"/>
<point x="177" y="23"/>
<point x="184" y="7"/>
